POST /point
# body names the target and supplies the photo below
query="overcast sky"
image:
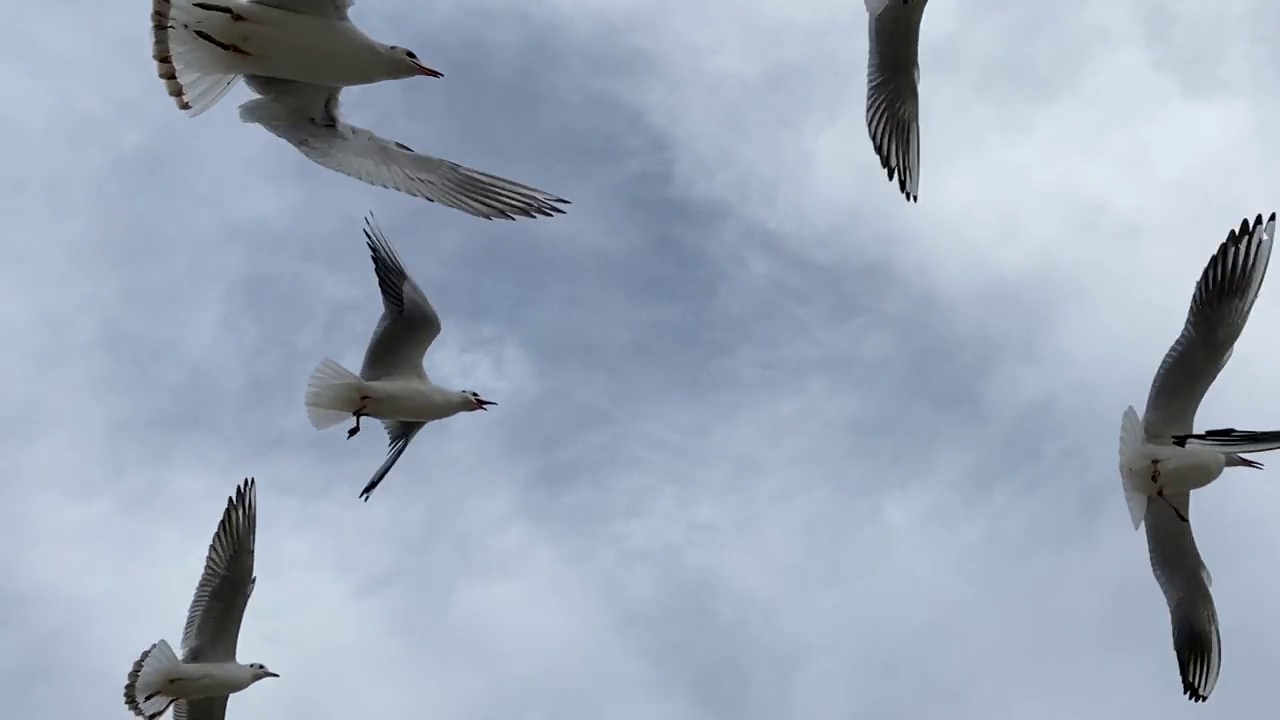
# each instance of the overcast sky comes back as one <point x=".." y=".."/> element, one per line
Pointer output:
<point x="771" y="442"/>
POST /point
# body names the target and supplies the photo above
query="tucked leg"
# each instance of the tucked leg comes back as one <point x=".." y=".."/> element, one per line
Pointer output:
<point x="1181" y="515"/>
<point x="359" y="413"/>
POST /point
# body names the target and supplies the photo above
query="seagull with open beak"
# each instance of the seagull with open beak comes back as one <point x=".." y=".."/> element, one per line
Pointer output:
<point x="392" y="385"/>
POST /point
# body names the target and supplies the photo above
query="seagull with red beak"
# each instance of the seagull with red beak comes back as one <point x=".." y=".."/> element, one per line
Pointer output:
<point x="298" y="55"/>
<point x="1162" y="460"/>
<point x="392" y="385"/>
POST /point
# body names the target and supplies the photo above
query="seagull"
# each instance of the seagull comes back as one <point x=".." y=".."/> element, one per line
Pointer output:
<point x="197" y="686"/>
<point x="297" y="55"/>
<point x="893" y="96"/>
<point x="1162" y="461"/>
<point x="392" y="385"/>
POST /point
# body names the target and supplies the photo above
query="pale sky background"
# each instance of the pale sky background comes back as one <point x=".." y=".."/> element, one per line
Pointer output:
<point x="772" y="443"/>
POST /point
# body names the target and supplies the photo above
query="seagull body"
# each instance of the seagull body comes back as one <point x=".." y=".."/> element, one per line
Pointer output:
<point x="297" y="55"/>
<point x="893" y="96"/>
<point x="256" y="37"/>
<point x="1156" y="470"/>
<point x="1161" y="461"/>
<point x="197" y="685"/>
<point x="392" y="385"/>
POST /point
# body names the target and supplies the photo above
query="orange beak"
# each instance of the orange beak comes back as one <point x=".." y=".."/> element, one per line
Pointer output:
<point x="424" y="70"/>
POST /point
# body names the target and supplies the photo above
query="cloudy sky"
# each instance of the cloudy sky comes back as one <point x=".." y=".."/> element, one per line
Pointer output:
<point x="771" y="442"/>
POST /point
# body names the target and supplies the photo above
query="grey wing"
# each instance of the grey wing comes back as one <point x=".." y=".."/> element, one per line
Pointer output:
<point x="1185" y="581"/>
<point x="213" y="620"/>
<point x="399" y="434"/>
<point x="308" y="117"/>
<point x="210" y="708"/>
<point x="1220" y="307"/>
<point x="893" y="98"/>
<point x="332" y="9"/>
<point x="409" y="324"/>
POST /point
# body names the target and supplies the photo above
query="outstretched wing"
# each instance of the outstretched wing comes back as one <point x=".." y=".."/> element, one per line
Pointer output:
<point x="1185" y="580"/>
<point x="409" y="324"/>
<point x="307" y="116"/>
<point x="213" y="620"/>
<point x="893" y="79"/>
<point x="1220" y="307"/>
<point x="399" y="434"/>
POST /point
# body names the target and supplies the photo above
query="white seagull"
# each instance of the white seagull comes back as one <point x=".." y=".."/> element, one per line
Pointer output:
<point x="1161" y="461"/>
<point x="392" y="385"/>
<point x="197" y="686"/>
<point x="893" y="95"/>
<point x="298" y="55"/>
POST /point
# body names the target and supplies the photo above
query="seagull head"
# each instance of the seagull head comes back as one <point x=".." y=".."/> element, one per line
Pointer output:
<point x="407" y="63"/>
<point x="260" y="672"/>
<point x="473" y="401"/>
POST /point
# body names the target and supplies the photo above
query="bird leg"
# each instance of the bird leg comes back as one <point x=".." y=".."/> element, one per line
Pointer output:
<point x="1181" y="516"/>
<point x="359" y="413"/>
<point x="1155" y="472"/>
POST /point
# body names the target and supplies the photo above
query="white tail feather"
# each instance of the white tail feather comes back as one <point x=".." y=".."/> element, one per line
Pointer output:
<point x="1137" y="503"/>
<point x="1132" y="438"/>
<point x="192" y="69"/>
<point x="150" y="673"/>
<point x="333" y="394"/>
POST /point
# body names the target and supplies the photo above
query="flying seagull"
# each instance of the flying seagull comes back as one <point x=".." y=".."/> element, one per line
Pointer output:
<point x="392" y="386"/>
<point x="893" y="89"/>
<point x="197" y="686"/>
<point x="298" y="55"/>
<point x="1161" y="461"/>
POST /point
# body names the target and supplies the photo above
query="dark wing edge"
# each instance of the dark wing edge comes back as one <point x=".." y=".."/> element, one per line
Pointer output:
<point x="1224" y="296"/>
<point x="230" y="551"/>
<point x="399" y="434"/>
<point x="387" y="265"/>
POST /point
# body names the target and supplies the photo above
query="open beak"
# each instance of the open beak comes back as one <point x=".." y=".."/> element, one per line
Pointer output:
<point x="1250" y="463"/>
<point x="424" y="70"/>
<point x="480" y="403"/>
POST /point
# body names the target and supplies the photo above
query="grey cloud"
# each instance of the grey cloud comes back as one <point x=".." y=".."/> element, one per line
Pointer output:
<point x="771" y="443"/>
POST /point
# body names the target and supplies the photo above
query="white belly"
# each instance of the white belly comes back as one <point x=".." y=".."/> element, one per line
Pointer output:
<point x="198" y="680"/>
<point x="1175" y="469"/>
<point x="393" y="400"/>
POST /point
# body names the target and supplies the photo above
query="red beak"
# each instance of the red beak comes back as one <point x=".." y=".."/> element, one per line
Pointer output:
<point x="424" y="70"/>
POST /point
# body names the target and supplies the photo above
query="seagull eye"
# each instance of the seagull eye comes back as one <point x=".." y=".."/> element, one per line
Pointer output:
<point x="409" y="54"/>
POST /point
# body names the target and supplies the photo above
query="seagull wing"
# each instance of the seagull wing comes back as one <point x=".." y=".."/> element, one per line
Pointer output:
<point x="893" y="98"/>
<point x="1220" y="307"/>
<point x="213" y="620"/>
<point x="409" y="324"/>
<point x="307" y="116"/>
<point x="1185" y="580"/>
<point x="399" y="434"/>
<point x="1232" y="440"/>
<point x="210" y="708"/>
<point x="330" y="9"/>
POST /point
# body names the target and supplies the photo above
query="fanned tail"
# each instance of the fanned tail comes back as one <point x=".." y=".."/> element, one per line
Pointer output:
<point x="187" y="57"/>
<point x="333" y="394"/>
<point x="149" y="674"/>
<point x="1132" y="437"/>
